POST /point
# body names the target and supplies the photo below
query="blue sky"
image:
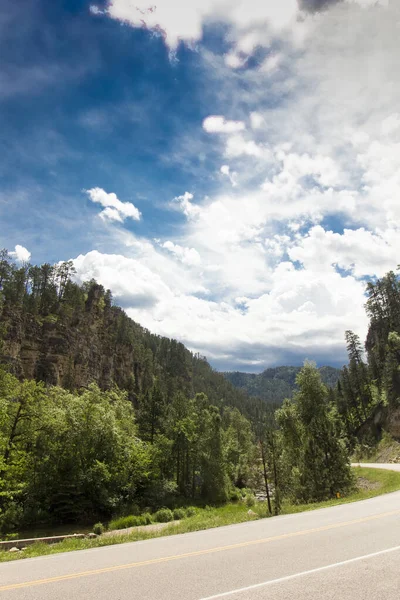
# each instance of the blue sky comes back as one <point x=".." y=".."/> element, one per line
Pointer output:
<point x="232" y="175"/>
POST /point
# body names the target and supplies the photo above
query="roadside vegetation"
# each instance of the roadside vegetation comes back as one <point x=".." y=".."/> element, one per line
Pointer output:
<point x="387" y="450"/>
<point x="369" y="483"/>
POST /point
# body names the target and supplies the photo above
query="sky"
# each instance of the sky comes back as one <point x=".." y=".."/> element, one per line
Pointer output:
<point x="230" y="170"/>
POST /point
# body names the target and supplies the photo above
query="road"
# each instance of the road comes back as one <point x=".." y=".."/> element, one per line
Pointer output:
<point x="348" y="552"/>
<point x="391" y="467"/>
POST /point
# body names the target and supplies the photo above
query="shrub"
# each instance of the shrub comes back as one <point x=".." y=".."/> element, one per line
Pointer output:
<point x="235" y="495"/>
<point x="124" y="522"/>
<point x="179" y="514"/>
<point x="191" y="511"/>
<point x="11" y="518"/>
<point x="148" y="519"/>
<point x="250" y="500"/>
<point x="164" y="515"/>
<point x="98" y="528"/>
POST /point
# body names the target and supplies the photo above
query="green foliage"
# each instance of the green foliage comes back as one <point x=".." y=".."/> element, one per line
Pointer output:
<point x="66" y="457"/>
<point x="82" y="452"/>
<point x="276" y="384"/>
<point x="164" y="515"/>
<point x="123" y="522"/>
<point x="316" y="458"/>
<point x="147" y="518"/>
<point x="130" y="521"/>
<point x="98" y="528"/>
<point x="250" y="500"/>
<point x="383" y="482"/>
<point x="191" y="511"/>
<point x="235" y="495"/>
<point x="179" y="514"/>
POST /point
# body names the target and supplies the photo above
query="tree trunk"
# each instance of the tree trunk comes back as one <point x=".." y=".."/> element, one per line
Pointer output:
<point x="265" y="477"/>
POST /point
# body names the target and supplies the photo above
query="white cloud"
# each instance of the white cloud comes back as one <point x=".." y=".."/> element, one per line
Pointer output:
<point x="302" y="312"/>
<point x="132" y="282"/>
<point x="218" y="124"/>
<point x="237" y="145"/>
<point x="176" y="20"/>
<point x="256" y="120"/>
<point x="111" y="214"/>
<point x="95" y="10"/>
<point x="21" y="254"/>
<point x="232" y="175"/>
<point x="271" y="63"/>
<point x="359" y="251"/>
<point x="234" y="61"/>
<point x="188" y="256"/>
<point x="114" y="210"/>
<point x="191" y="211"/>
<point x="367" y="3"/>
<point x="323" y="143"/>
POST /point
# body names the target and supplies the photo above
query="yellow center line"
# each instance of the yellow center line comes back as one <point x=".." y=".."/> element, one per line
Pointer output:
<point x="155" y="561"/>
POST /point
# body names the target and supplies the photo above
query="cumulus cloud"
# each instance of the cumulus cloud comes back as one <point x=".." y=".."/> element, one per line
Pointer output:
<point x="114" y="209"/>
<point x="183" y="21"/>
<point x="218" y="124"/>
<point x="133" y="284"/>
<point x="302" y="312"/>
<point x="283" y="257"/>
<point x="21" y="254"/>
<point x="188" y="256"/>
<point x="361" y="252"/>
<point x="191" y="211"/>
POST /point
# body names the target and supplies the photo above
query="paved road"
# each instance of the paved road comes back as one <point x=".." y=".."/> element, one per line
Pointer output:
<point x="348" y="552"/>
<point x="391" y="467"/>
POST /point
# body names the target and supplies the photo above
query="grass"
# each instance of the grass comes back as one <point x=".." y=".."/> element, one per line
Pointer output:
<point x="376" y="482"/>
<point x="382" y="482"/>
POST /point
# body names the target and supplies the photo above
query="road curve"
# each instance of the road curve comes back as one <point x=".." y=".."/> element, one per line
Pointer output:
<point x="349" y="551"/>
<point x="386" y="466"/>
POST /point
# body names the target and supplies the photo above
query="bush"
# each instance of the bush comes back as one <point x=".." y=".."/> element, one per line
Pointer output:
<point x="124" y="522"/>
<point x="11" y="518"/>
<point x="164" y="515"/>
<point x="191" y="511"/>
<point x="98" y="528"/>
<point x="235" y="495"/>
<point x="250" y="500"/>
<point x="148" y="519"/>
<point x="179" y="514"/>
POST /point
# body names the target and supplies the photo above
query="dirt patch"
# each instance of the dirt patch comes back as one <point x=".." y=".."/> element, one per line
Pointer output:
<point x="365" y="484"/>
<point x="152" y="527"/>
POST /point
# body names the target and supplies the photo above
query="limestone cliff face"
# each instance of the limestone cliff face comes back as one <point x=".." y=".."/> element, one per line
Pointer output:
<point x="72" y="352"/>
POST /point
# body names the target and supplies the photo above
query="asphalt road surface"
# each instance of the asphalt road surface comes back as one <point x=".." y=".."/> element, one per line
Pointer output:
<point x="346" y="552"/>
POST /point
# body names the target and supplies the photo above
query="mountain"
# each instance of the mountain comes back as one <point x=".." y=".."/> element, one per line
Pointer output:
<point x="70" y="335"/>
<point x="275" y="384"/>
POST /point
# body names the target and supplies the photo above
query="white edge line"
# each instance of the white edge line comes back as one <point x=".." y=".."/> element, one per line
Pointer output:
<point x="302" y="574"/>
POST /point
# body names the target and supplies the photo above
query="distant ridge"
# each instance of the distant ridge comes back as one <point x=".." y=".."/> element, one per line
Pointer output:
<point x="275" y="384"/>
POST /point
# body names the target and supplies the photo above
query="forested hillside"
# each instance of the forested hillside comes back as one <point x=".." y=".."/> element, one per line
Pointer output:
<point x="275" y="384"/>
<point x="99" y="417"/>
<point x="368" y="392"/>
<point x="98" y="414"/>
<point x="63" y="334"/>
